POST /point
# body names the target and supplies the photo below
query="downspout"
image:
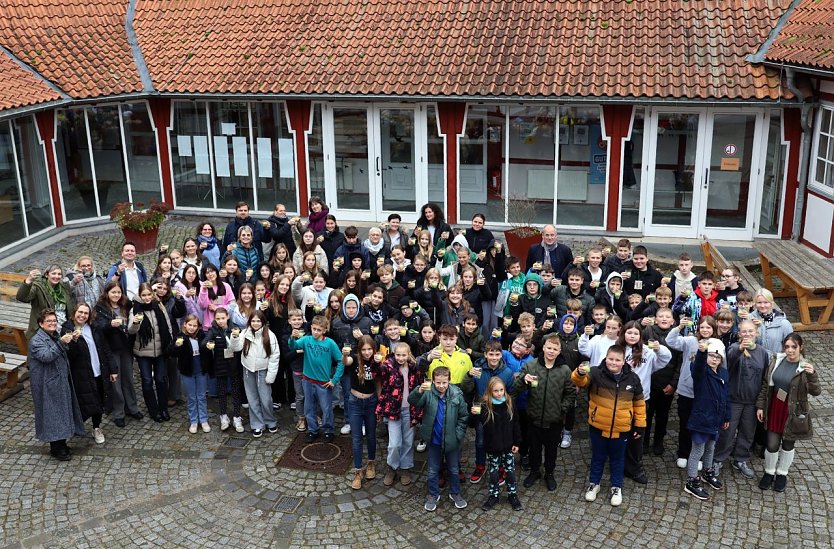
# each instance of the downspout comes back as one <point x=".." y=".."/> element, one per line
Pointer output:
<point x="805" y="122"/>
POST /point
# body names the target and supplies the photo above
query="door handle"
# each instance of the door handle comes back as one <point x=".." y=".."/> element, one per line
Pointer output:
<point x="378" y="166"/>
<point x="706" y="178"/>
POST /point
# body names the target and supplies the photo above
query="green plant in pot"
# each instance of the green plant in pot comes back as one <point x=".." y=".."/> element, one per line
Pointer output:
<point x="523" y="234"/>
<point x="140" y="225"/>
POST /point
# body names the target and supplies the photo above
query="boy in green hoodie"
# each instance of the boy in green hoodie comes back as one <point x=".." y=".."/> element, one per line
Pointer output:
<point x="532" y="301"/>
<point x="511" y="288"/>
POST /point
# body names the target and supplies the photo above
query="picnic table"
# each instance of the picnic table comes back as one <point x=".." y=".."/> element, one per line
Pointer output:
<point x="805" y="275"/>
<point x="14" y="321"/>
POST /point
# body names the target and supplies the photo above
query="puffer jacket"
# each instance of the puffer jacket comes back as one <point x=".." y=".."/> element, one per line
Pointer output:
<point x="548" y="402"/>
<point x="560" y="295"/>
<point x="613" y="406"/>
<point x="221" y="365"/>
<point x="257" y="359"/>
<point x="389" y="405"/>
<point x="536" y="306"/>
<point x="477" y="386"/>
<point x="798" y="426"/>
<point x="454" y="419"/>
<point x="711" y="406"/>
<point x="184" y="356"/>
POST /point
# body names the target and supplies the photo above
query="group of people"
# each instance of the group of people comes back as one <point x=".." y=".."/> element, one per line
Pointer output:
<point x="433" y="332"/>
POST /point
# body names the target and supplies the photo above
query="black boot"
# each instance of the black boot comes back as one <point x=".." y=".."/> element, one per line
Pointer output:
<point x="766" y="482"/>
<point x="532" y="478"/>
<point x="780" y="482"/>
<point x="490" y="503"/>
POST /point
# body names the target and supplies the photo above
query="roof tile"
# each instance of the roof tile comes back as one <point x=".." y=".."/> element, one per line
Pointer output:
<point x="20" y="87"/>
<point x="808" y="36"/>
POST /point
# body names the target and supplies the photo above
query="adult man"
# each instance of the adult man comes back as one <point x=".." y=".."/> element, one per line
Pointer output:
<point x="280" y="230"/>
<point x="128" y="272"/>
<point x="259" y="235"/>
<point x="549" y="251"/>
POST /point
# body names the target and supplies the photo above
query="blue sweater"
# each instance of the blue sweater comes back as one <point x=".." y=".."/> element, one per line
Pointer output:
<point x="318" y="358"/>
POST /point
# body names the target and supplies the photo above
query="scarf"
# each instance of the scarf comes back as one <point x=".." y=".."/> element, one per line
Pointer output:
<point x="547" y="251"/>
<point x="210" y="241"/>
<point x="501" y="400"/>
<point x="768" y="317"/>
<point x="56" y="292"/>
<point x="374" y="249"/>
<point x="315" y="220"/>
<point x="145" y="333"/>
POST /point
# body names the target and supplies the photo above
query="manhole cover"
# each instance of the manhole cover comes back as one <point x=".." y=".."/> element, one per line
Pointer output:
<point x="287" y="504"/>
<point x="325" y="457"/>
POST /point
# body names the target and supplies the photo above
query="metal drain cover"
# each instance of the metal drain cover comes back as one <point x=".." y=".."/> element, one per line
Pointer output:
<point x="287" y="504"/>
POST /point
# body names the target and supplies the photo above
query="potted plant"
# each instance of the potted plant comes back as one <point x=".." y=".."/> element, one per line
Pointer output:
<point x="522" y="235"/>
<point x="140" y="225"/>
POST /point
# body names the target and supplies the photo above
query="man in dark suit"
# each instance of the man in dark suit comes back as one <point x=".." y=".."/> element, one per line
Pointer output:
<point x="549" y="251"/>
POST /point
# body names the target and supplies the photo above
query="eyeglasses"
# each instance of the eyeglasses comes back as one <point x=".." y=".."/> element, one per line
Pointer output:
<point x="727" y="275"/>
<point x="50" y="321"/>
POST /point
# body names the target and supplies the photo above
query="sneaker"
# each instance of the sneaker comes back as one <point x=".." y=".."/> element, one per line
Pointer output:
<point x="206" y="427"/>
<point x="550" y="481"/>
<point x="658" y="450"/>
<point x="119" y="422"/>
<point x="238" y="423"/>
<point x="391" y="476"/>
<point x="766" y="482"/>
<point x="710" y="478"/>
<point x="693" y="487"/>
<point x="681" y="463"/>
<point x="532" y="478"/>
<point x="245" y="406"/>
<point x="192" y="428"/>
<point x="460" y="503"/>
<point x="345" y="429"/>
<point x="591" y="492"/>
<point x="276" y="405"/>
<point x="224" y="422"/>
<point x="477" y="474"/>
<point x="431" y="503"/>
<point x="744" y="468"/>
<point x="567" y="438"/>
<point x="257" y="433"/>
<point x="310" y="437"/>
<point x="514" y="502"/>
<point x="490" y="503"/>
<point x="780" y="482"/>
<point x="301" y="426"/>
<point x="273" y="429"/>
<point x="616" y="496"/>
<point x="421" y="446"/>
<point x="292" y="405"/>
<point x="98" y="434"/>
<point x="328" y="437"/>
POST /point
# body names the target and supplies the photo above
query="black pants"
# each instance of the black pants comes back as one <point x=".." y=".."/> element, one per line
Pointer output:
<point x="546" y="439"/>
<point x="684" y="436"/>
<point x="658" y="408"/>
<point x="634" y="455"/>
<point x="570" y="418"/>
<point x="524" y="423"/>
<point x="279" y="386"/>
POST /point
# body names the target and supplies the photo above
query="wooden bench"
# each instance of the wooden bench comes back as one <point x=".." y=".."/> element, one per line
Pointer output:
<point x="14" y="321"/>
<point x="9" y="283"/>
<point x="805" y="275"/>
<point x="10" y="365"/>
<point x="716" y="262"/>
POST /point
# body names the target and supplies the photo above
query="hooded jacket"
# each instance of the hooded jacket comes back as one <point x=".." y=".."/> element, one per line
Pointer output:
<point x="641" y="282"/>
<point x="536" y="306"/>
<point x="257" y="358"/>
<point x="614" y="304"/>
<point x="341" y="330"/>
<point x="613" y="405"/>
<point x="570" y="342"/>
<point x="711" y="406"/>
<point x="553" y="397"/>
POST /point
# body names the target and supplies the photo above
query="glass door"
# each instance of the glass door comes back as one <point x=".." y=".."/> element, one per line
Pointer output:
<point x="347" y="150"/>
<point x="396" y="161"/>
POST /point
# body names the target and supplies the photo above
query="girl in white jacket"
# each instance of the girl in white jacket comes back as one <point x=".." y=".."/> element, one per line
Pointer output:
<point x="312" y="295"/>
<point x="595" y="348"/>
<point x="260" y="355"/>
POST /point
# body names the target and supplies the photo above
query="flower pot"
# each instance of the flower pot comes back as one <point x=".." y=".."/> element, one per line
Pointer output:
<point x="145" y="241"/>
<point x="519" y="241"/>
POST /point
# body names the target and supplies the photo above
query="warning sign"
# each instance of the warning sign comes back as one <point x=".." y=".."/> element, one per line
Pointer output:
<point x="730" y="150"/>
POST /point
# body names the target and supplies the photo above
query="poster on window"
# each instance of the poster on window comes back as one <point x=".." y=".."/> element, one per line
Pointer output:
<point x="598" y="157"/>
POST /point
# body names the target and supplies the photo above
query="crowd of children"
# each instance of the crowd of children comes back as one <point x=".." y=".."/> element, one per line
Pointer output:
<point x="434" y="332"/>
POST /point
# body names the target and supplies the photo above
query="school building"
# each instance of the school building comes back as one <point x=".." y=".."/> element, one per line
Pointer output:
<point x="687" y="119"/>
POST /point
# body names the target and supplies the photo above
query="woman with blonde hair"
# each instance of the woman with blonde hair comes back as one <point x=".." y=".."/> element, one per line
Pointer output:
<point x="772" y="323"/>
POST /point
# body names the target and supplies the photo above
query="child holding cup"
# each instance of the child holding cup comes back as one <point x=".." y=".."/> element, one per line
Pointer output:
<point x="225" y="365"/>
<point x="193" y="371"/>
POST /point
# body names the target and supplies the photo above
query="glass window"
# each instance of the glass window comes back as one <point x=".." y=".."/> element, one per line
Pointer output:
<point x="583" y="160"/>
<point x="275" y="165"/>
<point x="74" y="169"/>
<point x="33" y="175"/>
<point x="142" y="157"/>
<point x="230" y="146"/>
<point x="631" y="181"/>
<point x="481" y="158"/>
<point x="774" y="177"/>
<point x="674" y="172"/>
<point x="190" y="155"/>
<point x="108" y="158"/>
<point x="437" y="159"/>
<point x="11" y="220"/>
<point x="315" y="154"/>
<point x="823" y="178"/>
<point x="531" y="178"/>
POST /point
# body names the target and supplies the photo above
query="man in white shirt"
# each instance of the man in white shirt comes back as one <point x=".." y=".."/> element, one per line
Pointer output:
<point x="128" y="272"/>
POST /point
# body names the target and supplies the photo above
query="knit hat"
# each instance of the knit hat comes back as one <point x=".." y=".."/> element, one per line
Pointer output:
<point x="716" y="346"/>
<point x="405" y="301"/>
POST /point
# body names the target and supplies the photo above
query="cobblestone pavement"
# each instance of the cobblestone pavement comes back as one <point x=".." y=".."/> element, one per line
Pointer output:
<point x="157" y="485"/>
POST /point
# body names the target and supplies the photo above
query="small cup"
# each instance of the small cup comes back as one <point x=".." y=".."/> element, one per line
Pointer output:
<point x="403" y="331"/>
<point x="537" y="266"/>
<point x="413" y="304"/>
<point x="378" y="357"/>
<point x="210" y="345"/>
<point x="496" y="333"/>
<point x="374" y="329"/>
<point x="412" y="284"/>
<point x="476" y="409"/>
<point x="626" y="274"/>
<point x="497" y="246"/>
<point x="265" y="224"/>
<point x="477" y="373"/>
<point x="534" y="382"/>
<point x="163" y="248"/>
<point x="380" y="261"/>
<point x="426" y="385"/>
<point x="666" y="280"/>
<point x="507" y="321"/>
<point x="139" y="317"/>
<point x="557" y="281"/>
<point x="119" y="320"/>
<point x="514" y="298"/>
<point x="181" y="340"/>
<point x="235" y="332"/>
<point x="249" y="273"/>
<point x="347" y="349"/>
<point x="654" y="344"/>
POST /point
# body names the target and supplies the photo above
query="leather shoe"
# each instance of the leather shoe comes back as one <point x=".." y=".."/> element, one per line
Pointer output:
<point x="164" y="415"/>
<point x="61" y="456"/>
<point x="550" y="482"/>
<point x="157" y="418"/>
<point x="137" y="415"/>
<point x="119" y="422"/>
<point x="532" y="478"/>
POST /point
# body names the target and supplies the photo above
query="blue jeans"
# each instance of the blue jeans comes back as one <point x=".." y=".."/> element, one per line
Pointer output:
<point x="612" y="449"/>
<point x="362" y="412"/>
<point x="154" y="375"/>
<point x="480" y="449"/>
<point x="195" y="387"/>
<point x="436" y="461"/>
<point x="401" y="441"/>
<point x="346" y="396"/>
<point x="316" y="396"/>
<point x="259" y="395"/>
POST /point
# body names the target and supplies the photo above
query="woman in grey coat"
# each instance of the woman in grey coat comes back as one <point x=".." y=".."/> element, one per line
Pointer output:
<point x="57" y="414"/>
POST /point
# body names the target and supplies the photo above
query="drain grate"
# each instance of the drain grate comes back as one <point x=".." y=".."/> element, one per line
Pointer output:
<point x="287" y="504"/>
<point x="233" y="442"/>
<point x="324" y="457"/>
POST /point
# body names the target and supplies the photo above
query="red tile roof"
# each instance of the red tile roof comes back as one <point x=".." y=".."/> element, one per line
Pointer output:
<point x="20" y="87"/>
<point x="638" y="48"/>
<point x="807" y="38"/>
<point x="80" y="45"/>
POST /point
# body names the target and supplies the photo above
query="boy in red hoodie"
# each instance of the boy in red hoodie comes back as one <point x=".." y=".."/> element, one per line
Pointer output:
<point x="701" y="302"/>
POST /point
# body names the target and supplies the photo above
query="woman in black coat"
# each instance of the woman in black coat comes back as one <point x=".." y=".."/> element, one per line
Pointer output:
<point x="90" y="363"/>
<point x="432" y="219"/>
<point x="478" y="237"/>
<point x="331" y="238"/>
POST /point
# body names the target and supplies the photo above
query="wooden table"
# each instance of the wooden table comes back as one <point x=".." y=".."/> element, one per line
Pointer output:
<point x="14" y="320"/>
<point x="805" y="275"/>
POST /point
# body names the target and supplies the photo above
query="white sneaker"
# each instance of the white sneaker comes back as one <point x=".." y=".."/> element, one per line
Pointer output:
<point x="345" y="429"/>
<point x="292" y="405"/>
<point x="206" y="427"/>
<point x="700" y="465"/>
<point x="224" y="422"/>
<point x="363" y="430"/>
<point x="98" y="435"/>
<point x="238" y="422"/>
<point x="192" y="428"/>
<point x="567" y="438"/>
<point x="681" y="463"/>
<point x="591" y="493"/>
<point x="421" y="446"/>
<point x="616" y="496"/>
<point x="245" y="405"/>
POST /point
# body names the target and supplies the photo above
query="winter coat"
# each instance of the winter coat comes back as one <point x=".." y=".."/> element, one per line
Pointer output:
<point x="711" y="405"/>
<point x="393" y="294"/>
<point x="387" y="239"/>
<point x="454" y="419"/>
<point x="155" y="347"/>
<point x="81" y="369"/>
<point x="280" y="231"/>
<point x="560" y="295"/>
<point x="535" y="305"/>
<point x="57" y="414"/>
<point x="479" y="240"/>
<point x="389" y="405"/>
<point x="257" y="359"/>
<point x="641" y="282"/>
<point x="613" y="304"/>
<point x="116" y="339"/>
<point x="475" y="342"/>
<point x="772" y="334"/>
<point x="247" y="258"/>
<point x="552" y="398"/>
<point x="331" y="243"/>
<point x="746" y="373"/>
<point x="477" y="386"/>
<point x="259" y="236"/>
<point x="321" y="259"/>
<point x="798" y="426"/>
<point x="291" y="359"/>
<point x="176" y="310"/>
<point x="203" y="301"/>
<point x="432" y="300"/>
<point x="184" y="356"/>
<point x="88" y="290"/>
<point x="341" y="329"/>
<point x="220" y="364"/>
<point x="38" y="297"/>
<point x="515" y="364"/>
<point x="560" y="258"/>
<point x="502" y="432"/>
<point x="476" y="295"/>
<point x="613" y="406"/>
